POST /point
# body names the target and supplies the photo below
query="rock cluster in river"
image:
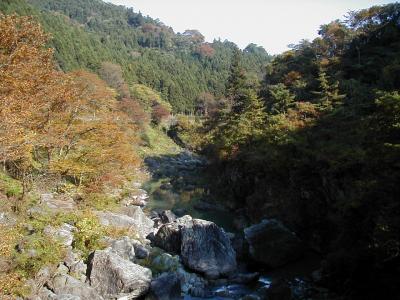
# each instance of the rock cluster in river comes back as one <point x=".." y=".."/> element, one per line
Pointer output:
<point x="203" y="246"/>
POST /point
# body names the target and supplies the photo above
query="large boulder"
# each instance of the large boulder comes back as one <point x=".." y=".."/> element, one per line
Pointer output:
<point x="167" y="286"/>
<point x="132" y="218"/>
<point x="168" y="237"/>
<point x="64" y="284"/>
<point x="115" y="277"/>
<point x="272" y="244"/>
<point x="206" y="248"/>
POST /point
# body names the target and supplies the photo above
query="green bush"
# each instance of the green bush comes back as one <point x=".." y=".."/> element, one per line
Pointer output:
<point x="37" y="251"/>
<point x="101" y="201"/>
<point x="87" y="237"/>
<point x="10" y="186"/>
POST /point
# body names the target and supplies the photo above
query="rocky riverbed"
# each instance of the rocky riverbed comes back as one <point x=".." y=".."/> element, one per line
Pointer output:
<point x="180" y="248"/>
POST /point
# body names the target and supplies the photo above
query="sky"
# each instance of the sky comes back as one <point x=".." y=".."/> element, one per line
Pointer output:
<point x="273" y="24"/>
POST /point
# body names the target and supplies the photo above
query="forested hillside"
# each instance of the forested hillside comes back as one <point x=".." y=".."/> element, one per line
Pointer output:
<point x="318" y="146"/>
<point x="180" y="66"/>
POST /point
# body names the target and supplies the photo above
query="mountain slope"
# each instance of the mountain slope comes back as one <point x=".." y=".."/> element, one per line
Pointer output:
<point x="180" y="66"/>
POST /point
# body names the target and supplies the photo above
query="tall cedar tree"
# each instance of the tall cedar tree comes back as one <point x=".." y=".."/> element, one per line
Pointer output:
<point x="236" y="89"/>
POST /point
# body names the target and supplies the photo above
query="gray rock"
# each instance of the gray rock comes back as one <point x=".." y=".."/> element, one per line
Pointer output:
<point x="71" y="258"/>
<point x="146" y="225"/>
<point x="191" y="283"/>
<point x="186" y="220"/>
<point x="63" y="284"/>
<point x="141" y="251"/>
<point x="124" y="248"/>
<point x="64" y="233"/>
<point x="168" y="237"/>
<point x="114" y="277"/>
<point x="273" y="244"/>
<point x="79" y="269"/>
<point x="45" y="294"/>
<point x="133" y="218"/>
<point x="7" y="219"/>
<point x="67" y="297"/>
<point x="167" y="286"/>
<point x="58" y="202"/>
<point x="167" y="216"/>
<point x="154" y="214"/>
<point x="62" y="269"/>
<point x="206" y="248"/>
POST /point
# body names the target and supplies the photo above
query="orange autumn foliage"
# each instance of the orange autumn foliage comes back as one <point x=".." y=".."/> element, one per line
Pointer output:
<point x="68" y="124"/>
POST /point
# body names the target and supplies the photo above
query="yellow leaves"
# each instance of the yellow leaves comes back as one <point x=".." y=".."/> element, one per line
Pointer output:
<point x="9" y="238"/>
<point x="11" y="285"/>
<point x="68" y="123"/>
<point x="26" y="68"/>
<point x="15" y="30"/>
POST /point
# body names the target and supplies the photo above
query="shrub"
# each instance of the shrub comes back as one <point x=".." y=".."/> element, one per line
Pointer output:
<point x="37" y="252"/>
<point x="87" y="237"/>
<point x="100" y="201"/>
<point x="10" y="186"/>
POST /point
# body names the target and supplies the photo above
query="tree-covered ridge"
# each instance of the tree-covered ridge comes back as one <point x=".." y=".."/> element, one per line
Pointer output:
<point x="179" y="66"/>
<point x="319" y="148"/>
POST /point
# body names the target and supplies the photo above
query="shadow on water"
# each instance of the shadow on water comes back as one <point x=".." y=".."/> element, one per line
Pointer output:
<point x="179" y="183"/>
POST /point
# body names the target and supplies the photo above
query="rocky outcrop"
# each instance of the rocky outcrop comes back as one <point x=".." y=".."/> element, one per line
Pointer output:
<point x="167" y="286"/>
<point x="131" y="217"/>
<point x="113" y="277"/>
<point x="64" y="284"/>
<point x="272" y="244"/>
<point x="206" y="248"/>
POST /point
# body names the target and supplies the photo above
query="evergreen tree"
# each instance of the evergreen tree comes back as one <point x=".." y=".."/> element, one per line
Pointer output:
<point x="236" y="88"/>
<point x="329" y="94"/>
<point x="280" y="99"/>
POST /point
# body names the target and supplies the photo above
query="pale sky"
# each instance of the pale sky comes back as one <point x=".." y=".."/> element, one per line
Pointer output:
<point x="273" y="24"/>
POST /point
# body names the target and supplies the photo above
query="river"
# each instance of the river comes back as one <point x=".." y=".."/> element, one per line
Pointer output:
<point x="178" y="183"/>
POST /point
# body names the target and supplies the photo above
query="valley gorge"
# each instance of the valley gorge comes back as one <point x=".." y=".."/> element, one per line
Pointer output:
<point x="137" y="162"/>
